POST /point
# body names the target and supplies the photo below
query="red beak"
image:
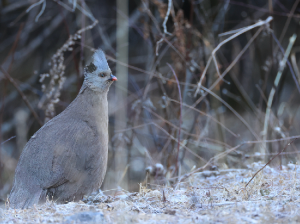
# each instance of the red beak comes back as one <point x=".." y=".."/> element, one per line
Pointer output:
<point x="113" y="78"/>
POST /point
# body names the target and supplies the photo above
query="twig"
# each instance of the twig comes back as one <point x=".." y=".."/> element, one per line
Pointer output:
<point x="233" y="111"/>
<point x="34" y="5"/>
<point x="212" y="57"/>
<point x="22" y="94"/>
<point x="180" y="116"/>
<point x="175" y="49"/>
<point x="13" y="48"/>
<point x="230" y="66"/>
<point x="151" y="17"/>
<point x="167" y="17"/>
<point x="294" y="62"/>
<point x="232" y="149"/>
<point x="191" y="85"/>
<point x="207" y="115"/>
<point x="287" y="61"/>
<point x="235" y="79"/>
<point x="216" y="157"/>
<point x="84" y="11"/>
<point x="74" y="5"/>
<point x="164" y="26"/>
<point x="42" y="10"/>
<point x="132" y="128"/>
<point x="276" y="82"/>
<point x="286" y="25"/>
<point x="124" y="173"/>
<point x="270" y="161"/>
<point x="182" y="145"/>
<point x="64" y="5"/>
<point x="167" y="122"/>
<point x="174" y="126"/>
<point x="272" y="154"/>
<point x="270" y="6"/>
<point x="263" y="9"/>
<point x="8" y="140"/>
<point x="230" y="32"/>
<point x="261" y="93"/>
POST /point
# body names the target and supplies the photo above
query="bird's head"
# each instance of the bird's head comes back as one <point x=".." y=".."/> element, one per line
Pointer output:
<point x="97" y="75"/>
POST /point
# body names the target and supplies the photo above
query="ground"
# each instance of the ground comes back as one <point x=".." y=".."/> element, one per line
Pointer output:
<point x="205" y="197"/>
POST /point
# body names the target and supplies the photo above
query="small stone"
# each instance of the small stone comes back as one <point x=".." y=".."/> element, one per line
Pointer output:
<point x="86" y="217"/>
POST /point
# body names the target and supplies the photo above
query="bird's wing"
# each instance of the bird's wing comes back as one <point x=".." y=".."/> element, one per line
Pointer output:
<point x="57" y="152"/>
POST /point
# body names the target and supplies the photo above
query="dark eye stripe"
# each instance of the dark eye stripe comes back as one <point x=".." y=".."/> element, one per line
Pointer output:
<point x="91" y="67"/>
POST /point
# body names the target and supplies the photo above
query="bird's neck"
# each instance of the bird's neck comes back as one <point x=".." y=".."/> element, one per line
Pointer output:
<point x="91" y="105"/>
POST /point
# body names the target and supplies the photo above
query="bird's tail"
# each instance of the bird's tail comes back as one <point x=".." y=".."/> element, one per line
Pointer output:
<point x="24" y="196"/>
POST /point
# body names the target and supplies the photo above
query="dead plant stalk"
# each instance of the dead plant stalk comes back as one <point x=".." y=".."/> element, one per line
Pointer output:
<point x="180" y="116"/>
<point x="276" y="82"/>
<point x="213" y="57"/>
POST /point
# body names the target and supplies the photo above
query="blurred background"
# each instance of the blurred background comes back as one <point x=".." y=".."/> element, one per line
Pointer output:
<point x="201" y="83"/>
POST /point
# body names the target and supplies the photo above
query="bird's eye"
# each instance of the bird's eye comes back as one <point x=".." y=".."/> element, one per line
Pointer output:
<point x="102" y="75"/>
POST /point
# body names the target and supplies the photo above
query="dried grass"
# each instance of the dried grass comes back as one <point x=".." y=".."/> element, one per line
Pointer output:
<point x="206" y="197"/>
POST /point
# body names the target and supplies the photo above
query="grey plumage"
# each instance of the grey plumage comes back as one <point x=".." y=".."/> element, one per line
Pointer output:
<point x="67" y="157"/>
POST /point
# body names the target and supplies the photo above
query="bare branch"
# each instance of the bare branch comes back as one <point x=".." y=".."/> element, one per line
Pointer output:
<point x="260" y="23"/>
<point x="180" y="116"/>
<point x="12" y="81"/>
<point x="164" y="26"/>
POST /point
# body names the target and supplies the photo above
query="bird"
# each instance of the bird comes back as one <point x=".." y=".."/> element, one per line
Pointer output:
<point x="67" y="157"/>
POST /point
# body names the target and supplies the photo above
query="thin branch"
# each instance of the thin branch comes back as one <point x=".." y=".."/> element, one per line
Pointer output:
<point x="230" y="66"/>
<point x="166" y="121"/>
<point x="174" y="126"/>
<point x="13" y="48"/>
<point x="167" y="17"/>
<point x="207" y="115"/>
<point x="64" y="5"/>
<point x="175" y="49"/>
<point x="74" y="5"/>
<point x="86" y="12"/>
<point x="34" y="5"/>
<point x="270" y="161"/>
<point x="22" y="94"/>
<point x="233" y="111"/>
<point x="294" y="63"/>
<point x="258" y="24"/>
<point x="263" y="9"/>
<point x="192" y="85"/>
<point x="164" y="26"/>
<point x="41" y="12"/>
<point x="232" y="149"/>
<point x="286" y="25"/>
<point x="261" y="93"/>
<point x="132" y="128"/>
<point x="182" y="145"/>
<point x="287" y="61"/>
<point x="180" y="116"/>
<point x="8" y="140"/>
